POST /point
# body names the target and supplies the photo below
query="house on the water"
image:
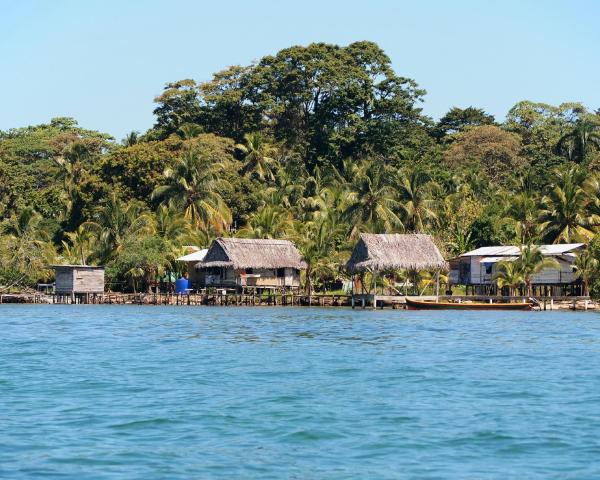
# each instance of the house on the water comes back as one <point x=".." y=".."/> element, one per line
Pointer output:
<point x="252" y="264"/>
<point x="476" y="269"/>
<point x="78" y="282"/>
<point x="380" y="253"/>
<point x="196" y="276"/>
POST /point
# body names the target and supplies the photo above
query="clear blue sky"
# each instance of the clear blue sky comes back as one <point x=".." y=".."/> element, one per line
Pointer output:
<point x="103" y="62"/>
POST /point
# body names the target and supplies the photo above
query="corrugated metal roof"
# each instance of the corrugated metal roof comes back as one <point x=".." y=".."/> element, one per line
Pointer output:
<point x="497" y="259"/>
<point x="492" y="251"/>
<point x="194" y="256"/>
<point x="560" y="248"/>
<point x="511" y="250"/>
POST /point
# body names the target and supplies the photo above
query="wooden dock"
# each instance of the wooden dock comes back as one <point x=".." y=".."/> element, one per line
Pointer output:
<point x="218" y="298"/>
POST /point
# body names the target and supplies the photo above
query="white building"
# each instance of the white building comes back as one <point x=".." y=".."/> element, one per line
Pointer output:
<point x="195" y="276"/>
<point x="476" y="269"/>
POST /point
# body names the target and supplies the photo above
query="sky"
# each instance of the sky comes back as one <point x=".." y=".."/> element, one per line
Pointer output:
<point x="103" y="61"/>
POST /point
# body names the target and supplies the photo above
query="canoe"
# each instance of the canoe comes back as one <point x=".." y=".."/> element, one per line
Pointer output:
<point x="424" y="305"/>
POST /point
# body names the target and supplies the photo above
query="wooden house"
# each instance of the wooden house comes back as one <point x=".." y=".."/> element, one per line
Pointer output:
<point x="78" y="281"/>
<point x="476" y="269"/>
<point x="258" y="264"/>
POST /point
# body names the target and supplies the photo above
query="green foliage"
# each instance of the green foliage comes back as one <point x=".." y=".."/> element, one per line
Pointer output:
<point x="141" y="259"/>
<point x="458" y="120"/>
<point x="316" y="144"/>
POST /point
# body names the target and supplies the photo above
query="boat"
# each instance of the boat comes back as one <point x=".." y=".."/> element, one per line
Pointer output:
<point x="429" y="305"/>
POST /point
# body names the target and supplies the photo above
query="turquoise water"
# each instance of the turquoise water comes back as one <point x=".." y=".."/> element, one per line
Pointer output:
<point x="107" y="392"/>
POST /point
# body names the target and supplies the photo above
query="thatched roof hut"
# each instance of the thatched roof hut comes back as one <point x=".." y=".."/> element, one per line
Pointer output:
<point x="242" y="253"/>
<point x="376" y="252"/>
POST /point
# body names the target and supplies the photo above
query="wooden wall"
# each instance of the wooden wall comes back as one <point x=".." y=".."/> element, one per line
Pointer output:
<point x="79" y="280"/>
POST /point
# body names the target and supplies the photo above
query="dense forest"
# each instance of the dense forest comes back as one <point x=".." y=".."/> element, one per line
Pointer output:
<point x="315" y="144"/>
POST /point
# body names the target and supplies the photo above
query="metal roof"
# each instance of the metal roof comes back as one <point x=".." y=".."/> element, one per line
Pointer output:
<point x="511" y="250"/>
<point x="91" y="267"/>
<point x="194" y="256"/>
<point x="497" y="259"/>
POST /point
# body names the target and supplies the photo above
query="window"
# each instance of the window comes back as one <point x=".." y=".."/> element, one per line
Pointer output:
<point x="280" y="272"/>
<point x="249" y="271"/>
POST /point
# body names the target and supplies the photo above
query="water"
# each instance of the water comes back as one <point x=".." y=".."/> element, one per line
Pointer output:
<point x="111" y="392"/>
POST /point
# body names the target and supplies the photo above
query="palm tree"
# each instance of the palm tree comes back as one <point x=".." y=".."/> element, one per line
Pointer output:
<point x="414" y="194"/>
<point x="28" y="250"/>
<point x="170" y="224"/>
<point x="192" y="186"/>
<point x="372" y="203"/>
<point x="523" y="209"/>
<point x="115" y="221"/>
<point x="319" y="250"/>
<point x="257" y="155"/>
<point x="268" y="222"/>
<point x="532" y="261"/>
<point x="461" y="240"/>
<point x="131" y="139"/>
<point x="189" y="130"/>
<point x="509" y="275"/>
<point x="80" y="245"/>
<point x="586" y="267"/>
<point x="72" y="173"/>
<point x="564" y="216"/>
<point x="584" y="136"/>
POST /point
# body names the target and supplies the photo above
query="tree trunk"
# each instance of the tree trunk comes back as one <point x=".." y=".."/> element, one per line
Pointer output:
<point x="308" y="281"/>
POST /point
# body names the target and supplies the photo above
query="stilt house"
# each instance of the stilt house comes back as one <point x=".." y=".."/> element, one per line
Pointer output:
<point x="258" y="264"/>
<point x="379" y="253"/>
<point x="476" y="269"/>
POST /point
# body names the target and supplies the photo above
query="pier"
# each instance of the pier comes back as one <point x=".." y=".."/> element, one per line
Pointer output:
<point x="356" y="301"/>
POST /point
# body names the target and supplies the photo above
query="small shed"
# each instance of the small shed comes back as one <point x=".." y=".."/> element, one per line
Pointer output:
<point x="394" y="251"/>
<point x="78" y="279"/>
<point x="252" y="263"/>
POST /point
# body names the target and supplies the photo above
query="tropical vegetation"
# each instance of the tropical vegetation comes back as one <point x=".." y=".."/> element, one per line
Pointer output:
<point x="315" y="144"/>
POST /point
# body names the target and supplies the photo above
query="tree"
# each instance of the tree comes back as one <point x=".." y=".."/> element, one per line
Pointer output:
<point x="457" y="120"/>
<point x="523" y="208"/>
<point x="25" y="250"/>
<point x="79" y="247"/>
<point x="192" y="186"/>
<point x="372" y="204"/>
<point x="415" y="188"/>
<point x="270" y="221"/>
<point x="586" y="268"/>
<point x="509" y="275"/>
<point x="142" y="257"/>
<point x="115" y="221"/>
<point x="584" y="137"/>
<point x="131" y="139"/>
<point x="488" y="147"/>
<point x="318" y="247"/>
<point x="169" y="224"/>
<point x="530" y="262"/>
<point x="325" y="101"/>
<point x="177" y="105"/>
<point x="257" y="156"/>
<point x="564" y="216"/>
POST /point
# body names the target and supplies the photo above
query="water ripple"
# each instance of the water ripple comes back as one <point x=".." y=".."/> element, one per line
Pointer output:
<point x="114" y="392"/>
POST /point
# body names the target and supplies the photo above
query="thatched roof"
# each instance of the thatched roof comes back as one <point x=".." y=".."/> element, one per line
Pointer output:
<point x="377" y="252"/>
<point x="241" y="253"/>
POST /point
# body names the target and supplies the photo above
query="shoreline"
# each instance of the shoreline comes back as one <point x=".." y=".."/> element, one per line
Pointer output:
<point x="284" y="300"/>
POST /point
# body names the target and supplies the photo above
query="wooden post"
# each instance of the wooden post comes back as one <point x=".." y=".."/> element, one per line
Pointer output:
<point x="437" y="285"/>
